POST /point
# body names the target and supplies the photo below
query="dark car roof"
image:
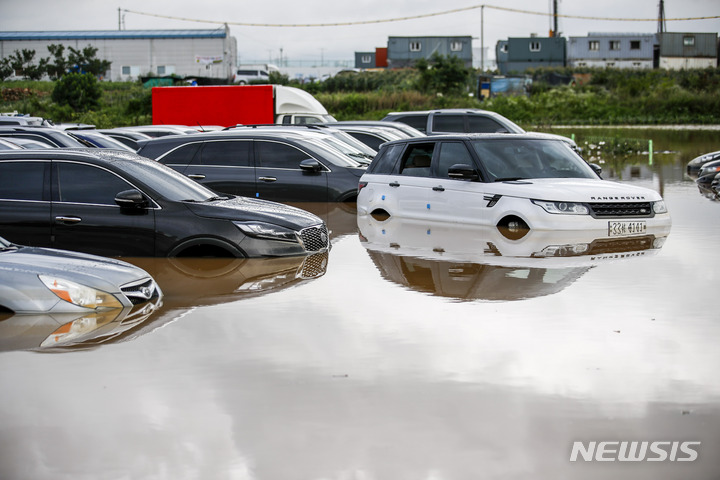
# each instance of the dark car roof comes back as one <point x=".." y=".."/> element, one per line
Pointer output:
<point x="57" y="136"/>
<point x="155" y="147"/>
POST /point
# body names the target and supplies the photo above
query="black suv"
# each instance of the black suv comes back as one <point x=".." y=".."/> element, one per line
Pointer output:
<point x="114" y="203"/>
<point x="276" y="165"/>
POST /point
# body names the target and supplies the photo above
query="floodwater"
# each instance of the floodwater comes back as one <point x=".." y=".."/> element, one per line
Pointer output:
<point x="408" y="352"/>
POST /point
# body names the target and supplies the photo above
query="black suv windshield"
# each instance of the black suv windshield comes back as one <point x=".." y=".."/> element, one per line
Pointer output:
<point x="514" y="159"/>
<point x="168" y="183"/>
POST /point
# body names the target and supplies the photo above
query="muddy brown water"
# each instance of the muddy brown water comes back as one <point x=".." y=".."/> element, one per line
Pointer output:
<point x="398" y="358"/>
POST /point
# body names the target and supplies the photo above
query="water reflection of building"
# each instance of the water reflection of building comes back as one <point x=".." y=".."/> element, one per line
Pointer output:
<point x="186" y="283"/>
<point x="480" y="263"/>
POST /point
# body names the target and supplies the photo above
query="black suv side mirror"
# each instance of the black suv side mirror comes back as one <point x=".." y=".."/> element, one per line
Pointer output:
<point x="461" y="171"/>
<point x="310" y="165"/>
<point x="131" y="199"/>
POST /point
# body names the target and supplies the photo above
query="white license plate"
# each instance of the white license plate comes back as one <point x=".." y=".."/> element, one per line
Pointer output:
<point x="620" y="229"/>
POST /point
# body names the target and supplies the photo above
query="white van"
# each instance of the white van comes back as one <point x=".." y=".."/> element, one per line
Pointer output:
<point x="248" y="76"/>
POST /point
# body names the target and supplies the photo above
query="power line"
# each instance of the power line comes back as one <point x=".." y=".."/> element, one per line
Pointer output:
<point x="415" y="17"/>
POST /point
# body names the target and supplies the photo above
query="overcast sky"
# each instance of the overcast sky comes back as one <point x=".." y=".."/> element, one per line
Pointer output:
<point x="264" y="43"/>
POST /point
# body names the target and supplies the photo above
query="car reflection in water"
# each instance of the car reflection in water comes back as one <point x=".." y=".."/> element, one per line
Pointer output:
<point x="481" y="263"/>
<point x="186" y="283"/>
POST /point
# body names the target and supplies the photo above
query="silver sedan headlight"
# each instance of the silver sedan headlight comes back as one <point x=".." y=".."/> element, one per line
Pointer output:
<point x="80" y="295"/>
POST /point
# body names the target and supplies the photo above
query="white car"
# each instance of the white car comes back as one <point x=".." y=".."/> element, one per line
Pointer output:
<point x="519" y="182"/>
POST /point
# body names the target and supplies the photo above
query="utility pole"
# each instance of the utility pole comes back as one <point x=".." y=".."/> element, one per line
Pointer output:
<point x="661" y="17"/>
<point x="555" y="18"/>
<point x="482" y="38"/>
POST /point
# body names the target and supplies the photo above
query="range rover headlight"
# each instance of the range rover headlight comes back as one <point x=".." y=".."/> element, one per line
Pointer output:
<point x="79" y="295"/>
<point x="659" y="207"/>
<point x="569" y="208"/>
<point x="267" y="231"/>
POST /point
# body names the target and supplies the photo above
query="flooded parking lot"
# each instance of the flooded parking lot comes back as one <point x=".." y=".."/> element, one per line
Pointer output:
<point x="408" y="351"/>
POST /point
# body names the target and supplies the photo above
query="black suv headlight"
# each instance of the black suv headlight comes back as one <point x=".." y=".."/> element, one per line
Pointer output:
<point x="267" y="231"/>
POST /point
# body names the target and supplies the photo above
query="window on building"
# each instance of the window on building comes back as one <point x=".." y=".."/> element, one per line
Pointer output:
<point x="610" y="64"/>
<point x="689" y="41"/>
<point x="634" y="44"/>
<point x="366" y="59"/>
<point x="581" y="64"/>
<point x="161" y="70"/>
<point x="456" y="46"/>
<point x="126" y="70"/>
<point x="534" y="46"/>
<point x="415" y="46"/>
<point x="594" y="45"/>
<point x="614" y="44"/>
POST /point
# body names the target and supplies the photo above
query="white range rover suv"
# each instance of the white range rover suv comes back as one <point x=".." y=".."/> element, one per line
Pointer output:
<point x="518" y="182"/>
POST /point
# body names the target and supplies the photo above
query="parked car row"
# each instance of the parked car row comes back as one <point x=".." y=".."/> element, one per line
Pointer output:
<point x="705" y="169"/>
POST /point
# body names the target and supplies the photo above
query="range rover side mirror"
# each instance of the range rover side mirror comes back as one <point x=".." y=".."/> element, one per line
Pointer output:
<point x="462" y="171"/>
<point x="131" y="199"/>
<point x="596" y="168"/>
<point x="310" y="165"/>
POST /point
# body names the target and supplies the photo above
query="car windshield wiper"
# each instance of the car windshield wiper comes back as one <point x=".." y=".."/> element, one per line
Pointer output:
<point x="509" y="179"/>
<point x="8" y="248"/>
<point x="214" y="199"/>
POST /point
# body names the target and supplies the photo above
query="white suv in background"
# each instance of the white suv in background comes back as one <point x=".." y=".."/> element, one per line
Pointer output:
<point x="248" y="76"/>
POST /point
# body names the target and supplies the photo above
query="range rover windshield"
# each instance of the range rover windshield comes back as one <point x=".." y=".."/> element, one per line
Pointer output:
<point x="517" y="159"/>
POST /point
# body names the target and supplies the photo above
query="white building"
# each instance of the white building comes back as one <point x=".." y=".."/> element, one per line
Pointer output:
<point x="617" y="50"/>
<point x="138" y="53"/>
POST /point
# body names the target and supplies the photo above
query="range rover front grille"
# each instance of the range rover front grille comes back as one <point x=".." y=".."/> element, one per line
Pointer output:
<point x="315" y="239"/>
<point x="621" y="209"/>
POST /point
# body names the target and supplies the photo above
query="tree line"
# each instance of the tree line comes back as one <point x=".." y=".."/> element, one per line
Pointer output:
<point x="22" y="63"/>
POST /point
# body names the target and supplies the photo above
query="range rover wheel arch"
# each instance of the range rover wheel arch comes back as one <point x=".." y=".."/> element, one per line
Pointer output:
<point x="206" y="247"/>
<point x="513" y="227"/>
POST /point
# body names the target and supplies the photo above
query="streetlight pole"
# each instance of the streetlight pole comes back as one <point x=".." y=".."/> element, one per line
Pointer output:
<point x="482" y="38"/>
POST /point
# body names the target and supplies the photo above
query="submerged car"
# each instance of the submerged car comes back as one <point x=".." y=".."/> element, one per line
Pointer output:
<point x="41" y="280"/>
<point x="707" y="174"/>
<point x="516" y="181"/>
<point x="270" y="163"/>
<point x="696" y="164"/>
<point x="114" y="203"/>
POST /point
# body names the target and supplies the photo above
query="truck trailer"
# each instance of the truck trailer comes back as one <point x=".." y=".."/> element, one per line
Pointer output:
<point x="228" y="105"/>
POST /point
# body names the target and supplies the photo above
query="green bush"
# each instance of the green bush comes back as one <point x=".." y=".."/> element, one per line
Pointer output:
<point x="79" y="91"/>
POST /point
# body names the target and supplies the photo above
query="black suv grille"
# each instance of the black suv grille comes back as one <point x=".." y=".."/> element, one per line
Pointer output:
<point x="315" y="239"/>
<point x="627" y="209"/>
<point x="139" y="292"/>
